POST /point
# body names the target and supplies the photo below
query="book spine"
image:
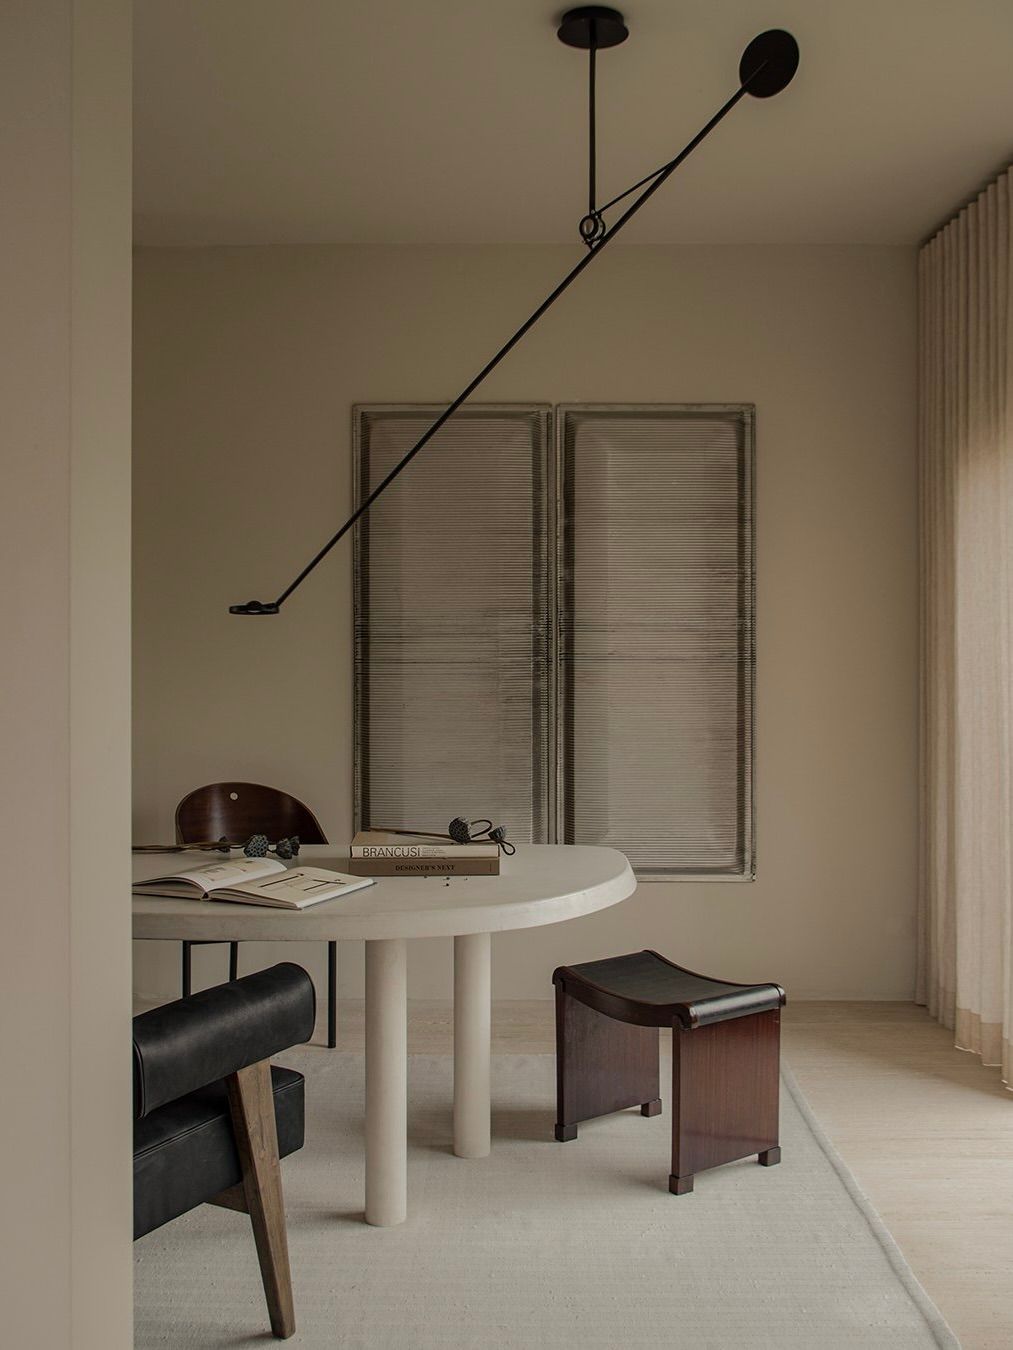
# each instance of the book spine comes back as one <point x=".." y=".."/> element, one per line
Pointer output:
<point x="424" y="867"/>
<point x="421" y="852"/>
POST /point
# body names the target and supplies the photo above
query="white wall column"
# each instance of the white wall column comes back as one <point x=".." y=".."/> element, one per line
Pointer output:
<point x="65" y="278"/>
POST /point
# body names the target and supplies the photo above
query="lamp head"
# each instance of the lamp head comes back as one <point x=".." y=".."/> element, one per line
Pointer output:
<point x="255" y="607"/>
<point x="769" y="63"/>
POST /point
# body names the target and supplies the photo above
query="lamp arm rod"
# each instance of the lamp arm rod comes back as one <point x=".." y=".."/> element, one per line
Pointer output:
<point x="256" y="607"/>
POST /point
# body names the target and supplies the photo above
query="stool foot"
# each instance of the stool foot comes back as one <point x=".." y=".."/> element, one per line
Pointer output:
<point x="680" y="1185"/>
<point x="770" y="1157"/>
<point x="651" y="1108"/>
<point x="564" y="1133"/>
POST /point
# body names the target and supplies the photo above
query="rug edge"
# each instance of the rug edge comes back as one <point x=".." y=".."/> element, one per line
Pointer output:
<point x="941" y="1330"/>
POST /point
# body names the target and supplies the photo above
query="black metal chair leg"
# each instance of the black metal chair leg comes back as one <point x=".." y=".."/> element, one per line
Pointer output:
<point x="332" y="995"/>
<point x="187" y="970"/>
<point x="233" y="960"/>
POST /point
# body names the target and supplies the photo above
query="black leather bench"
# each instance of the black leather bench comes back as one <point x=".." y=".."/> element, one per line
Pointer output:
<point x="725" y="1057"/>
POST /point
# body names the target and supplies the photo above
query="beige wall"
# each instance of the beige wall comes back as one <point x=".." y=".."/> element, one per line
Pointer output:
<point x="65" y="1216"/>
<point x="247" y="362"/>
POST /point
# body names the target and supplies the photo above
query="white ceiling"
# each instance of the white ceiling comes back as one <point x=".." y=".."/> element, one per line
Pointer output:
<point x="464" y="121"/>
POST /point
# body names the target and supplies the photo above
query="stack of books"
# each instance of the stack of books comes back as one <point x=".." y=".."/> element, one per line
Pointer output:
<point x="377" y="853"/>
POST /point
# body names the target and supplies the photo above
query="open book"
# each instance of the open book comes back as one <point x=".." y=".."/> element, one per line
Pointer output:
<point x="253" y="881"/>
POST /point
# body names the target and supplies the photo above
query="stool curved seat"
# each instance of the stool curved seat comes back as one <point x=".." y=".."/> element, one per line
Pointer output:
<point x="648" y="990"/>
<point x="725" y="1057"/>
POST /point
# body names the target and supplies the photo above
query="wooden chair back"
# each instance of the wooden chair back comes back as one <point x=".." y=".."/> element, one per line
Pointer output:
<point x="237" y="810"/>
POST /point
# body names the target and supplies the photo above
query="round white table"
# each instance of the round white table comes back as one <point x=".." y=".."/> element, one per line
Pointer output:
<point x="541" y="884"/>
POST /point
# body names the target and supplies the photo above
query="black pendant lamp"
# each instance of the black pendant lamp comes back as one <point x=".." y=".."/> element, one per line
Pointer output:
<point x="768" y="65"/>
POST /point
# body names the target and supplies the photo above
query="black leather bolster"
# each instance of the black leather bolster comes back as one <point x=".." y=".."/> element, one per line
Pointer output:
<point x="197" y="1040"/>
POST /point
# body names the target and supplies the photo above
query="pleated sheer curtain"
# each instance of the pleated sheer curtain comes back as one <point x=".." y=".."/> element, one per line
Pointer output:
<point x="965" y="956"/>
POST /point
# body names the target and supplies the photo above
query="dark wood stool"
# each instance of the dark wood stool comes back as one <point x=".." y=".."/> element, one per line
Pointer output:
<point x="725" y="1057"/>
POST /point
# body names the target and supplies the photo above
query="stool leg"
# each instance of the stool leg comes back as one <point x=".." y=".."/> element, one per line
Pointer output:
<point x="233" y="960"/>
<point x="601" y="1065"/>
<point x="724" y="1095"/>
<point x="680" y="1179"/>
<point x="566" y="1070"/>
<point x="187" y="971"/>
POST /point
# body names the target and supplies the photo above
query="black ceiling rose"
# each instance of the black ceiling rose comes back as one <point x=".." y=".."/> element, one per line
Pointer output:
<point x="592" y="25"/>
<point x="769" y="63"/>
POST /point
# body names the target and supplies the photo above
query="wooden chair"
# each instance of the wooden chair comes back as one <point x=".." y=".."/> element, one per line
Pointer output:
<point x="237" y="810"/>
<point x="725" y="1057"/>
<point x="213" y="1117"/>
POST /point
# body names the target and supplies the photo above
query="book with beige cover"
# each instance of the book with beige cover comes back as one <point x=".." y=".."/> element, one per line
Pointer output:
<point x="384" y="853"/>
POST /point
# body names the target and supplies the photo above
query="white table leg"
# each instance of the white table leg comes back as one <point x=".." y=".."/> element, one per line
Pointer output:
<point x="386" y="1082"/>
<point x="472" y="1003"/>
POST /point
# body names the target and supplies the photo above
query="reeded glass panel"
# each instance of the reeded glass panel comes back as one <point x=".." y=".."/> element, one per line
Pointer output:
<point x="656" y="585"/>
<point x="452" y="621"/>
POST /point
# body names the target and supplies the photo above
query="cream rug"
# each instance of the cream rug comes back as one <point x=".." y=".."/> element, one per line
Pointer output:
<point x="574" y="1246"/>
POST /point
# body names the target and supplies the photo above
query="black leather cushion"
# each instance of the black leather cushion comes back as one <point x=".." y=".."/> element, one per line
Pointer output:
<point x="194" y="1041"/>
<point x="185" y="1152"/>
<point x="656" y="991"/>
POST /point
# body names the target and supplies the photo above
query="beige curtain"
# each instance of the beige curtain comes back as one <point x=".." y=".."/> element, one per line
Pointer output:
<point x="965" y="956"/>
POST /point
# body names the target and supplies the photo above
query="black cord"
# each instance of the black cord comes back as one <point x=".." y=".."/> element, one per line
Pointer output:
<point x="644" y="180"/>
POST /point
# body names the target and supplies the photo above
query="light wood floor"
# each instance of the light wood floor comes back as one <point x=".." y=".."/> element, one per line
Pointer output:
<point x="926" y="1130"/>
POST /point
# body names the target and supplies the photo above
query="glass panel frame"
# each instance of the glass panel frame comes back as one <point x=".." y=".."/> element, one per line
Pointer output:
<point x="742" y="417"/>
<point x="366" y="420"/>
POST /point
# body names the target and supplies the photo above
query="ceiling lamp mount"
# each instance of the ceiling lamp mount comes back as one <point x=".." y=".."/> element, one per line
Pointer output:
<point x="592" y="26"/>
<point x="591" y="29"/>
<point x="768" y="65"/>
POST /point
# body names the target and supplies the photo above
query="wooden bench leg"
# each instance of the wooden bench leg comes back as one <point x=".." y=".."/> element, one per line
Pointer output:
<point x="251" y="1103"/>
<point x="601" y="1065"/>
